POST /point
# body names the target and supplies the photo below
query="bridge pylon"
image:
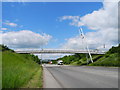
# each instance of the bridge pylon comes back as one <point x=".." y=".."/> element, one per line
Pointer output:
<point x="84" y="40"/>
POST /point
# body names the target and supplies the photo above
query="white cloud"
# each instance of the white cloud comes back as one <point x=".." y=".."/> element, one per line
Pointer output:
<point x="4" y="29"/>
<point x="10" y="24"/>
<point x="25" y="39"/>
<point x="75" y="20"/>
<point x="104" y="18"/>
<point x="105" y="23"/>
<point x="95" y="40"/>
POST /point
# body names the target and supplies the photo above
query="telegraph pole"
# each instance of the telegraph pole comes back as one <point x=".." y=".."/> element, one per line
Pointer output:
<point x="84" y="39"/>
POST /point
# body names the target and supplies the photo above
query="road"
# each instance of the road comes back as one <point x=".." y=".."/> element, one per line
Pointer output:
<point x="63" y="76"/>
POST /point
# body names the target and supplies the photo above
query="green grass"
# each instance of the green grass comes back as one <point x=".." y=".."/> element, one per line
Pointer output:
<point x="107" y="60"/>
<point x="73" y="63"/>
<point x="110" y="58"/>
<point x="0" y="70"/>
<point x="83" y="60"/>
<point x="18" y="69"/>
<point x="36" y="80"/>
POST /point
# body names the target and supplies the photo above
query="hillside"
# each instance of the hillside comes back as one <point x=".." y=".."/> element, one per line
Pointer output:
<point x="19" y="69"/>
<point x="111" y="58"/>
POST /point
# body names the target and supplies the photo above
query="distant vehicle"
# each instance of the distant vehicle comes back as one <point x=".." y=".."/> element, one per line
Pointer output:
<point x="50" y="62"/>
<point x="60" y="62"/>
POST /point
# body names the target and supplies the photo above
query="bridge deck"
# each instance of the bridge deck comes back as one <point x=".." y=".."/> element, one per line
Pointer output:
<point x="60" y="51"/>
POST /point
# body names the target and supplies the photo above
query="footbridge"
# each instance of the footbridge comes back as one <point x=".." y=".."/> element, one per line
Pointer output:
<point x="59" y="51"/>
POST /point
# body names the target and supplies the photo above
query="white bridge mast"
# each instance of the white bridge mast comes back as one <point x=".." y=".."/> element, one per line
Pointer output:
<point x="84" y="39"/>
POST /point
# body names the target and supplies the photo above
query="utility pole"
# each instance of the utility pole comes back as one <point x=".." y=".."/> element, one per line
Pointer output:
<point x="84" y="39"/>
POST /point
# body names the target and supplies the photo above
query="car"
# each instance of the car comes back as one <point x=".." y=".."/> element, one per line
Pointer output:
<point x="60" y="62"/>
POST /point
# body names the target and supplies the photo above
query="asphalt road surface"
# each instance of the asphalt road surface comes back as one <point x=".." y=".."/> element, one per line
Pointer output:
<point x="80" y="77"/>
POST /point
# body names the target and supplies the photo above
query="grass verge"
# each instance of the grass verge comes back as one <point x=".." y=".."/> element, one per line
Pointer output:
<point x="0" y="70"/>
<point x="17" y="69"/>
<point x="36" y="80"/>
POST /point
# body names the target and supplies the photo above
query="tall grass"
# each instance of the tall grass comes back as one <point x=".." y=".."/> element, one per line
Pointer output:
<point x="83" y="60"/>
<point x="108" y="60"/>
<point x="17" y="70"/>
<point x="36" y="80"/>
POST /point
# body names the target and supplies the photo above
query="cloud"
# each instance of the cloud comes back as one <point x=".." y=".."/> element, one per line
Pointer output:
<point x="4" y="29"/>
<point x="10" y="24"/>
<point x="95" y="40"/>
<point x="75" y="20"/>
<point x="104" y="18"/>
<point x="103" y="21"/>
<point x="25" y="39"/>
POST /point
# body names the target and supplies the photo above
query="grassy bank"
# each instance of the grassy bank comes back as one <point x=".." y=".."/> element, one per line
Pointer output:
<point x="18" y="69"/>
<point x="0" y="70"/>
<point x="107" y="60"/>
<point x="36" y="80"/>
<point x="110" y="58"/>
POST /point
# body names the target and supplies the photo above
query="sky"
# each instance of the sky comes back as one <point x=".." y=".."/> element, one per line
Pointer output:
<point x="35" y="25"/>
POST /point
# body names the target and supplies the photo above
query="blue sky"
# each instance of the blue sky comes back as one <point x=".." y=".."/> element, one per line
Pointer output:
<point x="44" y="18"/>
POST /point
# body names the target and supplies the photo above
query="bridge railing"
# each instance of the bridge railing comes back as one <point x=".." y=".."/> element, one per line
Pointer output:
<point x="60" y="51"/>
